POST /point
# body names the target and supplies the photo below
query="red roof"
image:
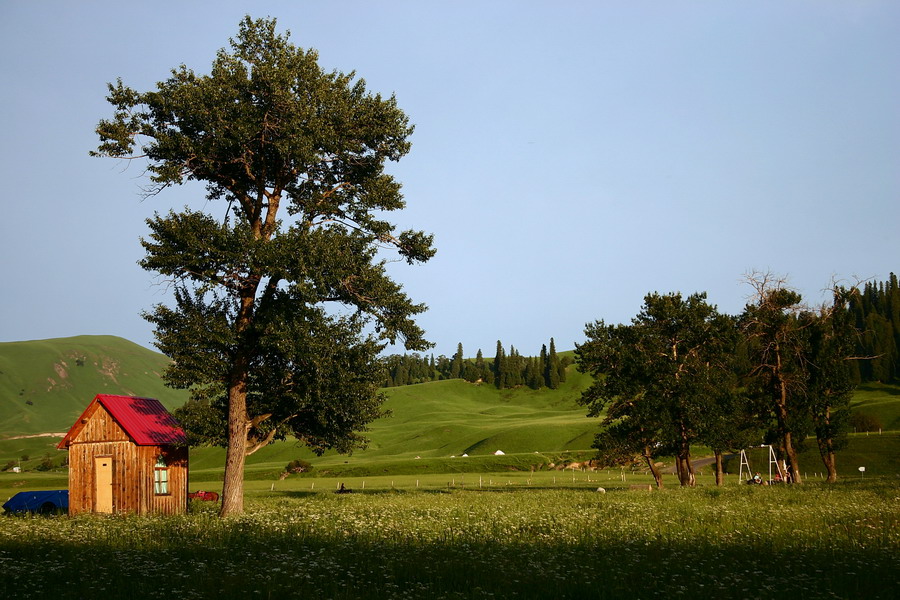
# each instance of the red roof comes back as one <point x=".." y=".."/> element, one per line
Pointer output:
<point x="145" y="420"/>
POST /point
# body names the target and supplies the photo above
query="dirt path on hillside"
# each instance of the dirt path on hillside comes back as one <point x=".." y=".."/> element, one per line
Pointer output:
<point x="34" y="435"/>
<point x="698" y="463"/>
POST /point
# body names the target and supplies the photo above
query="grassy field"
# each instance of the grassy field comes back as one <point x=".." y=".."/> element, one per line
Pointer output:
<point x="425" y="522"/>
<point x="46" y="384"/>
<point x="880" y="401"/>
<point x="811" y="541"/>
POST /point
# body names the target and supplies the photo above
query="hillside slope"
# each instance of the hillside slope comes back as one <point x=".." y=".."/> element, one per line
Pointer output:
<point x="442" y="419"/>
<point x="46" y="384"/>
<point x="446" y="418"/>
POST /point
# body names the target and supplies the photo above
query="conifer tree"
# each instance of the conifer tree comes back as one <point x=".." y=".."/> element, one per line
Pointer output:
<point x="456" y="367"/>
<point x="553" y="369"/>
<point x="498" y="366"/>
<point x="480" y="368"/>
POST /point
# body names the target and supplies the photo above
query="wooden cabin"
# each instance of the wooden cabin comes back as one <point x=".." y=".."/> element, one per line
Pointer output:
<point x="126" y="455"/>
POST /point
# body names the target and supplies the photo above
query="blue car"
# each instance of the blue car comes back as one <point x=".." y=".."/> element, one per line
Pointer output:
<point x="46" y="502"/>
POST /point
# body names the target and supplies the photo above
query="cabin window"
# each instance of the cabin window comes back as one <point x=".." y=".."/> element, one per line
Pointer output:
<point x="161" y="477"/>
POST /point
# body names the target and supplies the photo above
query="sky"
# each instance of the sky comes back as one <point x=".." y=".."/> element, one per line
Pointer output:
<point x="569" y="157"/>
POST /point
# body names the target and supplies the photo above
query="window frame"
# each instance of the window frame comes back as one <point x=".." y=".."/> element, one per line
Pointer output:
<point x="161" y="477"/>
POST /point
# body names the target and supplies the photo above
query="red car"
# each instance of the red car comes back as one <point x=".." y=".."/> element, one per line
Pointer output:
<point x="201" y="495"/>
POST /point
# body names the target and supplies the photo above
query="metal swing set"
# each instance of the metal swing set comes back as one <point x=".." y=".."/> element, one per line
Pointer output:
<point x="780" y="470"/>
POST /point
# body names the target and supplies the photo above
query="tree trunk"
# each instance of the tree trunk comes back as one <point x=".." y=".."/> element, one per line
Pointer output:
<point x="789" y="449"/>
<point x="684" y="466"/>
<point x="685" y="471"/>
<point x="826" y="450"/>
<point x="236" y="453"/>
<point x="692" y="478"/>
<point x="826" y="447"/>
<point x="657" y="476"/>
<point x="720" y="470"/>
<point x="238" y="420"/>
<point x="791" y="454"/>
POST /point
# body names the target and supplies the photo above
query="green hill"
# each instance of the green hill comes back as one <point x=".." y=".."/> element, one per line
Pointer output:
<point x="480" y="419"/>
<point x="880" y="401"/>
<point x="444" y="419"/>
<point x="46" y="384"/>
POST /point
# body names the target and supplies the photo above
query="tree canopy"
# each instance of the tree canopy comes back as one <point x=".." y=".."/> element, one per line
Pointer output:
<point x="681" y="373"/>
<point x="296" y="156"/>
<point x="659" y="377"/>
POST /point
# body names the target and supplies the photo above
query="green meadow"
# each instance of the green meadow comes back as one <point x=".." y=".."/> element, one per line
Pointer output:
<point x="422" y="520"/>
<point x="880" y="401"/>
<point x="505" y="541"/>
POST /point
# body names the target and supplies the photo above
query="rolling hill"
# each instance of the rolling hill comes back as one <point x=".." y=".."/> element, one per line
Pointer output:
<point x="46" y="384"/>
<point x="443" y="419"/>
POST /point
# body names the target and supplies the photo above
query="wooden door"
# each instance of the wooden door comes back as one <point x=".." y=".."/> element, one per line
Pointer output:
<point x="103" y="488"/>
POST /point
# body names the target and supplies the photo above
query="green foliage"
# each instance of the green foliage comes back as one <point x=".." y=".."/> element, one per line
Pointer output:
<point x="830" y="342"/>
<point x="407" y="369"/>
<point x="659" y="378"/>
<point x="456" y="365"/>
<point x="876" y="313"/>
<point x="507" y="371"/>
<point x="552" y="367"/>
<point x="298" y="465"/>
<point x="282" y="302"/>
<point x="801" y="375"/>
<point x="864" y="422"/>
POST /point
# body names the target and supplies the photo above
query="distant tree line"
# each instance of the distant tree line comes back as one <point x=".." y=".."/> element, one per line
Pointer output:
<point x="683" y="374"/>
<point x="876" y="315"/>
<point x="508" y="369"/>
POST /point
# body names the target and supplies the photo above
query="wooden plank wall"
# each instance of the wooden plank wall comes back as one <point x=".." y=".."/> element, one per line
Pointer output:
<point x="133" y="470"/>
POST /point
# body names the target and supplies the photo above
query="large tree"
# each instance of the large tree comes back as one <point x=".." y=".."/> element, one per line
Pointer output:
<point x="831" y="339"/>
<point x="660" y="376"/>
<point x="802" y="366"/>
<point x="778" y="354"/>
<point x="296" y="157"/>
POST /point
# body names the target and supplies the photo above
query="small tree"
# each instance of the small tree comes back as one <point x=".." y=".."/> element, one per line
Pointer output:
<point x="456" y="365"/>
<point x="861" y="421"/>
<point x="552" y="367"/>
<point x="46" y="463"/>
<point x="499" y="366"/>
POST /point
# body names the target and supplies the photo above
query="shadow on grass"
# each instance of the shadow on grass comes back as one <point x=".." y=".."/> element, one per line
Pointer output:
<point x="338" y="567"/>
<point x="880" y="388"/>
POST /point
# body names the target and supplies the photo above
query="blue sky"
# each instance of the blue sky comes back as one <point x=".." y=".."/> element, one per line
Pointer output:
<point x="569" y="157"/>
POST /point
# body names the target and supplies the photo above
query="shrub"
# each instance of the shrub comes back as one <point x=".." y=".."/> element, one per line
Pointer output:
<point x="861" y="421"/>
<point x="298" y="465"/>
